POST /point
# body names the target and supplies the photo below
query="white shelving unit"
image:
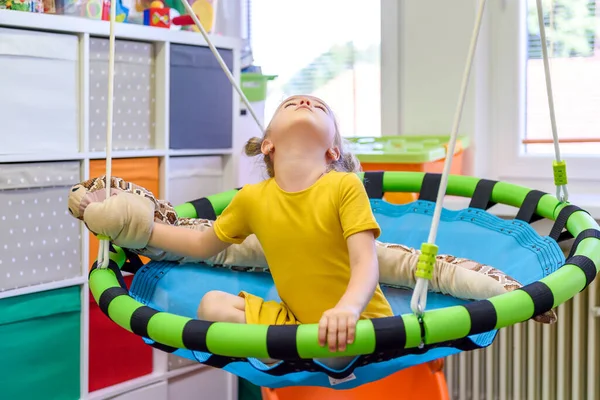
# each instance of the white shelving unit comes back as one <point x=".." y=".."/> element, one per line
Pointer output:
<point x="162" y="382"/>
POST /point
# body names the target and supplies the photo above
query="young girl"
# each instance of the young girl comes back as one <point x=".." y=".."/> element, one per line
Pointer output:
<point x="313" y="200"/>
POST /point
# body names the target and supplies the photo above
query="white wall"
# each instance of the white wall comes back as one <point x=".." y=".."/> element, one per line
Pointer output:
<point x="429" y="42"/>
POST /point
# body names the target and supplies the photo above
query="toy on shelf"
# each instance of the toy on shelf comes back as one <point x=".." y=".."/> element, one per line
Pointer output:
<point x="121" y="11"/>
<point x="204" y="10"/>
<point x="35" y="6"/>
<point x="157" y="15"/>
<point x="92" y="9"/>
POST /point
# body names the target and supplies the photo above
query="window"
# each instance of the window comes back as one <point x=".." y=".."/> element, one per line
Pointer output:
<point x="574" y="51"/>
<point x="521" y="118"/>
<point x="330" y="49"/>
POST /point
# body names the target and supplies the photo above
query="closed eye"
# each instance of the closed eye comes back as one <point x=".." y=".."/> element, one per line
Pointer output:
<point x="289" y="104"/>
<point x="321" y="107"/>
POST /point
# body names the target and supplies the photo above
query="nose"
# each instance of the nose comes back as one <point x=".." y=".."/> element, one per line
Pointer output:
<point x="305" y="102"/>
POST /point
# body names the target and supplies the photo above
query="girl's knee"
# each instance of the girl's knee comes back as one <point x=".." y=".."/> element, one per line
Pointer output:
<point x="210" y="304"/>
<point x="221" y="306"/>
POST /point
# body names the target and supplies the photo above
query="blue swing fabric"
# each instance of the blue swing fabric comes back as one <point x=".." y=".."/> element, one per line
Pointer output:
<point x="512" y="246"/>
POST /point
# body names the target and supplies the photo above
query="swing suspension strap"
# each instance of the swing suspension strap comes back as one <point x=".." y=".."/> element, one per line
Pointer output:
<point x="426" y="261"/>
<point x="104" y="248"/>
<point x="559" y="166"/>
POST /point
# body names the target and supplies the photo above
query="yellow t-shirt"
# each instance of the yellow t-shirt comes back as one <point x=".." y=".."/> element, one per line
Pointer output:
<point x="303" y="235"/>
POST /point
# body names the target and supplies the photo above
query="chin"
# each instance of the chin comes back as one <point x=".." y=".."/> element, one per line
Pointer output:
<point x="306" y="121"/>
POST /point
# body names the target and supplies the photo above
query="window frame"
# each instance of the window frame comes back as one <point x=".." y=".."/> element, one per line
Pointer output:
<point x="508" y="76"/>
<point x="389" y="60"/>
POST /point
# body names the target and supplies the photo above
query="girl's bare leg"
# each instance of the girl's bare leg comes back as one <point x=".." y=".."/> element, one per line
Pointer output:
<point x="225" y="307"/>
<point x="222" y="306"/>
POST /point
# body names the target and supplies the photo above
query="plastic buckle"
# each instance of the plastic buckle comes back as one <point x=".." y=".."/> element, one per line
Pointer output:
<point x="426" y="261"/>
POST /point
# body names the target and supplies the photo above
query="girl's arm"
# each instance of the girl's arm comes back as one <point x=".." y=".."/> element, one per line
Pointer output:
<point x="364" y="271"/>
<point x="187" y="242"/>
<point x="232" y="226"/>
<point x="337" y="326"/>
<point x="360" y="228"/>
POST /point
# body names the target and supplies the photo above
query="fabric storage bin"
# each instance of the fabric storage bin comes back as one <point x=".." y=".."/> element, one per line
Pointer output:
<point x="201" y="99"/>
<point x="39" y="106"/>
<point x="143" y="171"/>
<point x="116" y="355"/>
<point x="39" y="239"/>
<point x="40" y="346"/>
<point x="134" y="92"/>
<point x="193" y="177"/>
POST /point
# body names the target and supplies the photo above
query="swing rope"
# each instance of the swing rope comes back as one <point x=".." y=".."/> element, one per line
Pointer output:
<point x="426" y="262"/>
<point x="559" y="166"/>
<point x="103" y="249"/>
<point x="222" y="63"/>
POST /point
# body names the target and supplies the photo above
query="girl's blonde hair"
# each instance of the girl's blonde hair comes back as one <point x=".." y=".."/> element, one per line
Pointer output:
<point x="347" y="162"/>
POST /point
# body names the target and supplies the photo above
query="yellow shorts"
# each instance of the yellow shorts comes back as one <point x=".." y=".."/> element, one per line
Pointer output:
<point x="270" y="312"/>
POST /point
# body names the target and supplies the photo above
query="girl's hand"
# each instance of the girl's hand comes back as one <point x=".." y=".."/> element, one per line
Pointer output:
<point x="338" y="327"/>
<point x="126" y="218"/>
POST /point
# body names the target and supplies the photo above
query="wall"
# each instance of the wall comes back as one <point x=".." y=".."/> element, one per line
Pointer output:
<point x="432" y="40"/>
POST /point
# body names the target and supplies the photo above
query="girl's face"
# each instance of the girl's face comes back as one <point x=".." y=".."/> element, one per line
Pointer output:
<point x="306" y="117"/>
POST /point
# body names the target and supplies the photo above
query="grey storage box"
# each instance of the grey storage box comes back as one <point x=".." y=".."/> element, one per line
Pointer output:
<point x="39" y="99"/>
<point x="134" y="95"/>
<point x="39" y="240"/>
<point x="201" y="99"/>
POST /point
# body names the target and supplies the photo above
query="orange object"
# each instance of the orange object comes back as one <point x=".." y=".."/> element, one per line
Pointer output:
<point x="424" y="382"/>
<point x="436" y="166"/>
<point x="141" y="171"/>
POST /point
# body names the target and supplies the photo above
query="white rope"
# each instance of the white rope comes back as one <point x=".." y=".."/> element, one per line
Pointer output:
<point x="561" y="190"/>
<point x="419" y="297"/>
<point x="103" y="250"/>
<point x="222" y="63"/>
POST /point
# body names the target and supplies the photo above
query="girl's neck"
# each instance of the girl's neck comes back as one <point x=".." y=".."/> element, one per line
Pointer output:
<point x="296" y="171"/>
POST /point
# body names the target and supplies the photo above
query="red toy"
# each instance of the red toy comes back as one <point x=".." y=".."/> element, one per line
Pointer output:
<point x="183" y="20"/>
<point x="157" y="15"/>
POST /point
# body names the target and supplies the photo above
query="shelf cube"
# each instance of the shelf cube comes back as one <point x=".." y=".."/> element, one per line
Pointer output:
<point x="40" y="346"/>
<point x="134" y="95"/>
<point x="39" y="240"/>
<point x="201" y="99"/>
<point x="39" y="105"/>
